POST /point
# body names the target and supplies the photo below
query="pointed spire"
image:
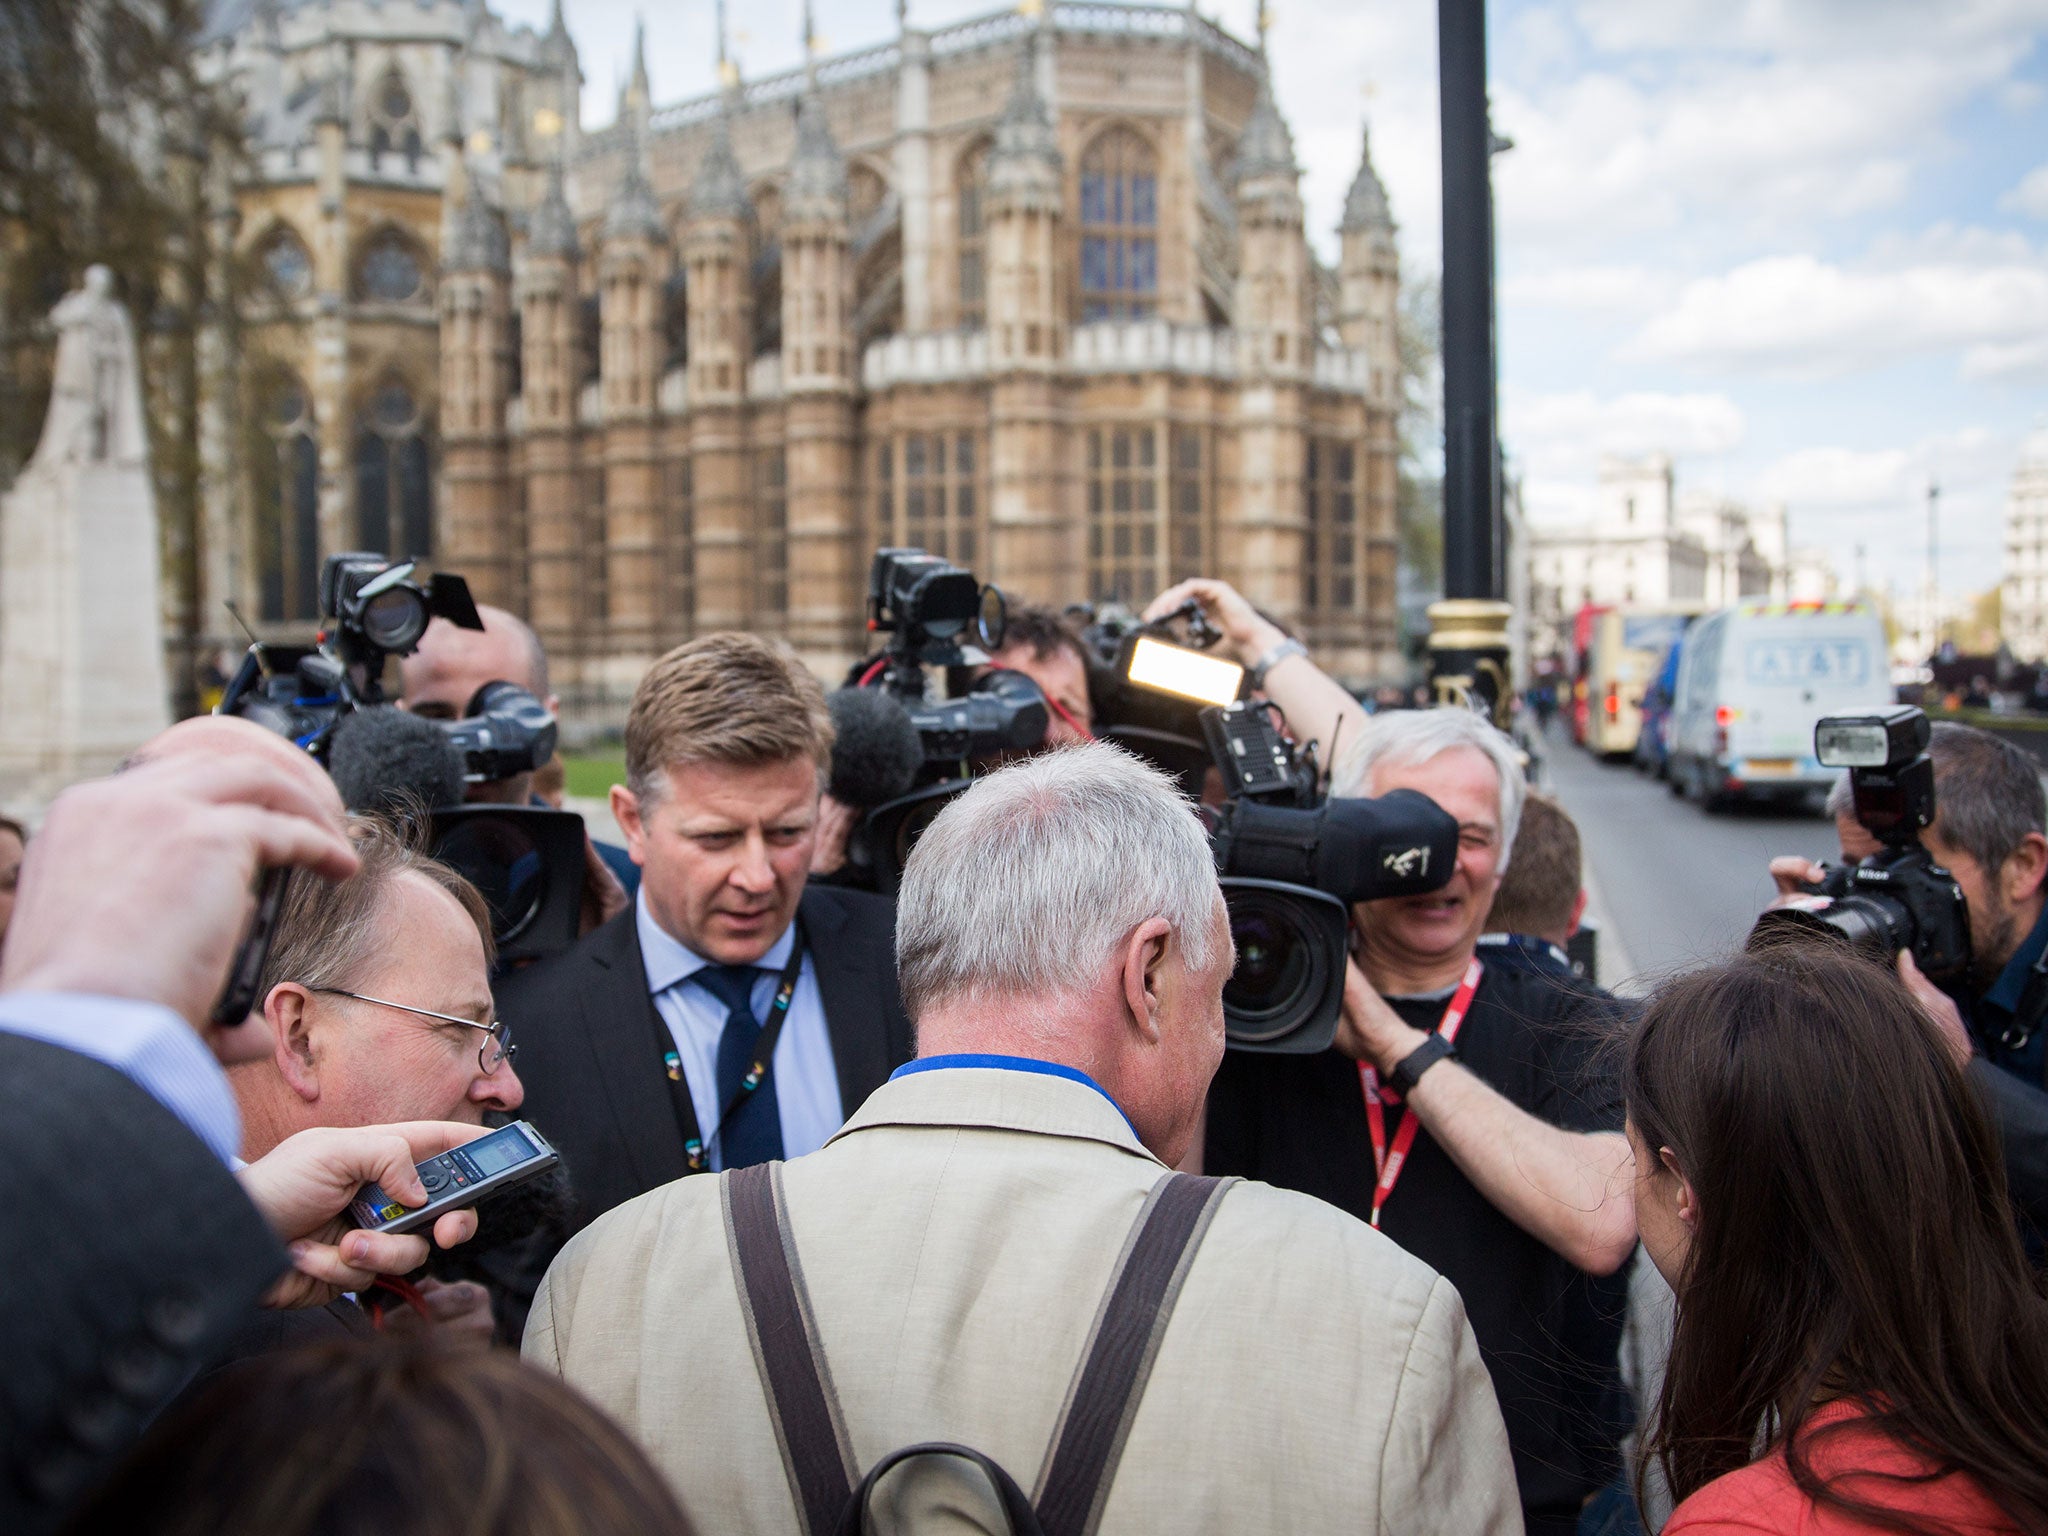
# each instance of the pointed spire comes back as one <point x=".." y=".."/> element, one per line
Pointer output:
<point x="1266" y="148"/>
<point x="1365" y="205"/>
<point x="1026" y="153"/>
<point x="728" y="72"/>
<point x="636" y="85"/>
<point x="817" y="171"/>
<point x="720" y="189"/>
<point x="478" y="243"/>
<point x="555" y="43"/>
<point x="810" y="43"/>
<point x="551" y="230"/>
<point x="633" y="213"/>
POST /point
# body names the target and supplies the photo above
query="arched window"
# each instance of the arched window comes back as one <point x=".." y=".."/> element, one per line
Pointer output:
<point x="288" y="508"/>
<point x="970" y="190"/>
<point x="393" y="123"/>
<point x="766" y="276"/>
<point x="286" y="263"/>
<point x="391" y="270"/>
<point x="1119" y="228"/>
<point x="394" y="479"/>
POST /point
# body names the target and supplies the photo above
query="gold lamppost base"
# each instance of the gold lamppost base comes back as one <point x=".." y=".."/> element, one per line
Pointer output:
<point x="1468" y="655"/>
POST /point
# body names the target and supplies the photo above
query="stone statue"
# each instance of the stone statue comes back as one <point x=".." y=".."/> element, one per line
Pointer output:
<point x="95" y="398"/>
<point x="82" y="679"/>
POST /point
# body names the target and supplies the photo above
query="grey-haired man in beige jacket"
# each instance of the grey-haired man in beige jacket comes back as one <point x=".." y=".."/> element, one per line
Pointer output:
<point x="1063" y="947"/>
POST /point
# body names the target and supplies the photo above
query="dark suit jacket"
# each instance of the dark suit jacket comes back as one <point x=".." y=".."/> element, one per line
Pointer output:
<point x="586" y="1031"/>
<point x="128" y="1255"/>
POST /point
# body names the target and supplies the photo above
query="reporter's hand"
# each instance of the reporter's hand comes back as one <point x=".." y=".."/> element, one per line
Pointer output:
<point x="836" y="820"/>
<point x="604" y="898"/>
<point x="303" y="1187"/>
<point x="1247" y="634"/>
<point x="458" y="1310"/>
<point x="1792" y="874"/>
<point x="1369" y="1029"/>
<point x="1939" y="1007"/>
<point x="140" y="885"/>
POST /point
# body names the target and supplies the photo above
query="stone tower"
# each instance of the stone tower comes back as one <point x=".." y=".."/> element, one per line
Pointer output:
<point x="1026" y="315"/>
<point x="1369" y="270"/>
<point x="632" y="279"/>
<point x="1271" y="311"/>
<point x="718" y="261"/>
<point x="476" y="382"/>
<point x="817" y="582"/>
<point x="551" y="369"/>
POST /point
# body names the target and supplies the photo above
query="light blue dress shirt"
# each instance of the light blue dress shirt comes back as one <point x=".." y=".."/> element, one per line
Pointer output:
<point x="806" y="1077"/>
<point x="147" y="1041"/>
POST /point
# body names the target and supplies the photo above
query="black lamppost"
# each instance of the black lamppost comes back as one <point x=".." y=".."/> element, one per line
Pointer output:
<point x="1468" y="629"/>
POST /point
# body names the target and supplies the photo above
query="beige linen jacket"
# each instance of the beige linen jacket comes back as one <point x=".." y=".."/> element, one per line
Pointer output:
<point x="956" y="1238"/>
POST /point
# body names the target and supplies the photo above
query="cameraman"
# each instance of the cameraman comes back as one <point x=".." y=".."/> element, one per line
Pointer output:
<point x="439" y="681"/>
<point x="1515" y="1180"/>
<point x="1991" y="832"/>
<point x="1045" y="647"/>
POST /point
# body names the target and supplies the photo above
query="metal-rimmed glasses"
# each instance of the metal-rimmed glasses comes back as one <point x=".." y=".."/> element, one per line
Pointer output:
<point x="496" y="1049"/>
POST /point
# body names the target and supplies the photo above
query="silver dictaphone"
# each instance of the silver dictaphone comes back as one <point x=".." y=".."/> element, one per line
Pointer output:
<point x="459" y="1177"/>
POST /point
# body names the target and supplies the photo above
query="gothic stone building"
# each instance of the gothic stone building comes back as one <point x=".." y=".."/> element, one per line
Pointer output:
<point x="1031" y="291"/>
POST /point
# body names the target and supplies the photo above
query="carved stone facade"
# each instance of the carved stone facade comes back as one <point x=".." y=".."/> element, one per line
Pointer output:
<point x="1031" y="292"/>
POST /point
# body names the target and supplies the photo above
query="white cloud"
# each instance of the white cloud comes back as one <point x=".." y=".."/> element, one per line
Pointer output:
<point x="1627" y="290"/>
<point x="1838" y="477"/>
<point x="2030" y="196"/>
<point x="1809" y="27"/>
<point x="1559" y="439"/>
<point x="1798" y="316"/>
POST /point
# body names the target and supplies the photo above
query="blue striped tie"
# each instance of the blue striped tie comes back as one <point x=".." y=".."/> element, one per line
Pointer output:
<point x="752" y="1130"/>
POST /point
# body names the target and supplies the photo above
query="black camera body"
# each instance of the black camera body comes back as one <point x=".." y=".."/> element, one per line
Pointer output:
<point x="369" y="609"/>
<point x="1898" y="898"/>
<point x="504" y="732"/>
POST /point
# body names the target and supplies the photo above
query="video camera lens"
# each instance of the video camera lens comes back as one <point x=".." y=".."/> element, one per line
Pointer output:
<point x="395" y="619"/>
<point x="1286" y="992"/>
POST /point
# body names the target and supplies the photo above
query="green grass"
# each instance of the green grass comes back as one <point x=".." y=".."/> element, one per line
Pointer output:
<point x="1985" y="719"/>
<point x="592" y="774"/>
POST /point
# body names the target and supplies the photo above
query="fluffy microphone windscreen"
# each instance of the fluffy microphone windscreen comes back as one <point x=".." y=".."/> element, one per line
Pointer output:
<point x="876" y="753"/>
<point x="387" y="761"/>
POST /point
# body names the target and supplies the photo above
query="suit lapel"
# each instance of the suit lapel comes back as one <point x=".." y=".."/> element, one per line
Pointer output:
<point x="852" y="999"/>
<point x="620" y="1024"/>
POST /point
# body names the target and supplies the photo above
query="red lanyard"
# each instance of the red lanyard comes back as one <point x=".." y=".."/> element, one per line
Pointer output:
<point x="1388" y="1165"/>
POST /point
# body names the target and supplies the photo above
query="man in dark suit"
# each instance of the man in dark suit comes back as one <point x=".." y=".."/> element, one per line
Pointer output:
<point x="730" y="1016"/>
<point x="132" y="1248"/>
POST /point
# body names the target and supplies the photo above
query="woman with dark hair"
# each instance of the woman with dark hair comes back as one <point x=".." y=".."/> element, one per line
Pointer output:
<point x="386" y="1437"/>
<point x="1824" y="1193"/>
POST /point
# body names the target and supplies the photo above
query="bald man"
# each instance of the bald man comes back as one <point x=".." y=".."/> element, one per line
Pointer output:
<point x="441" y="678"/>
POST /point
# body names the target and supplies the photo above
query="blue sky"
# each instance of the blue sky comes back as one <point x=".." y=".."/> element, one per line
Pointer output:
<point x="1800" y="244"/>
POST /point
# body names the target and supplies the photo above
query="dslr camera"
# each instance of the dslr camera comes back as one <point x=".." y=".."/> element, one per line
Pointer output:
<point x="1898" y="898"/>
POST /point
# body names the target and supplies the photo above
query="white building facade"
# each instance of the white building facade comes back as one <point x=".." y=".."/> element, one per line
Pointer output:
<point x="2023" y="614"/>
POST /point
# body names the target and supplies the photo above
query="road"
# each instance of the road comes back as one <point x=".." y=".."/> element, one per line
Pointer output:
<point x="1674" y="885"/>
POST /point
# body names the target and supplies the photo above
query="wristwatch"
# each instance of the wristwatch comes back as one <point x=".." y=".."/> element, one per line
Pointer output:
<point x="1409" y="1069"/>
<point x="1257" y="671"/>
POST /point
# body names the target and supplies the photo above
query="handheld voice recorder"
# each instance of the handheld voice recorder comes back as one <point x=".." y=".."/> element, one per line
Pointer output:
<point x="459" y="1177"/>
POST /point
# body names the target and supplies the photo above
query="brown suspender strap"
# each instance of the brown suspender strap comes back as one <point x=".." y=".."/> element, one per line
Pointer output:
<point x="1101" y="1401"/>
<point x="815" y="1452"/>
<point x="1118" y="1361"/>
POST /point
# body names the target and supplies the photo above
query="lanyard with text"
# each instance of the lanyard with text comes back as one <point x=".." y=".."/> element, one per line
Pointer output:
<point x="696" y="1150"/>
<point x="1387" y="1163"/>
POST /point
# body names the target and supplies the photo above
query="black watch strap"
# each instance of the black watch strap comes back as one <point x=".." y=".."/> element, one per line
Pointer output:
<point x="1409" y="1069"/>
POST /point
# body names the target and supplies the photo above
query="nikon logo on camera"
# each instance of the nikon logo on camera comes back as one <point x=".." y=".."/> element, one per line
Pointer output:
<point x="1408" y="864"/>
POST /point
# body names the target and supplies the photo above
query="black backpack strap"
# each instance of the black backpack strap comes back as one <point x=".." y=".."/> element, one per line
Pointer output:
<point x="1103" y="1399"/>
<point x="816" y="1452"/>
<point x="1016" y="1506"/>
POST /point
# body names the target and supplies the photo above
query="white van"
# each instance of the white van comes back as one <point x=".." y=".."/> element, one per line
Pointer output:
<point x="1753" y="679"/>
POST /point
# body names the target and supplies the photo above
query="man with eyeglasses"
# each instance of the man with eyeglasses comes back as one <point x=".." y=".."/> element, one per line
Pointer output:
<point x="377" y="1005"/>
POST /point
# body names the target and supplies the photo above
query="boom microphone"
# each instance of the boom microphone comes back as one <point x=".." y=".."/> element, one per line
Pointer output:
<point x="876" y="753"/>
<point x="386" y="761"/>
